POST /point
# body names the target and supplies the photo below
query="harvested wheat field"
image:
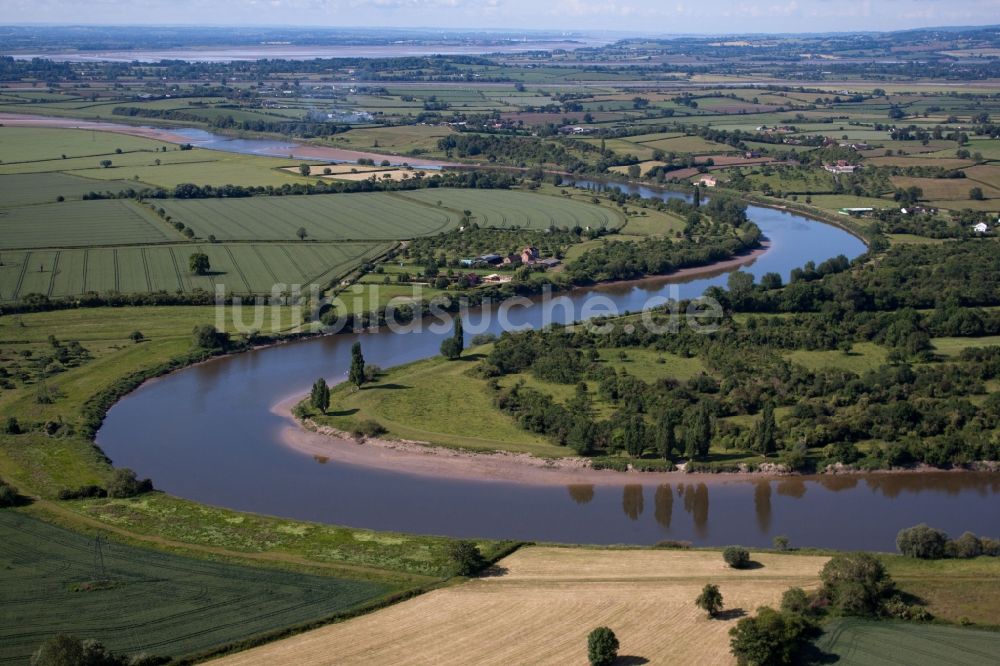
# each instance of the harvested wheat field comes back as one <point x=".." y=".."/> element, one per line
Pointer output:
<point x="543" y="601"/>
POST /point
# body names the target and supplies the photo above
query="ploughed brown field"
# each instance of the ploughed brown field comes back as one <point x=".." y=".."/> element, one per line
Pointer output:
<point x="540" y="603"/>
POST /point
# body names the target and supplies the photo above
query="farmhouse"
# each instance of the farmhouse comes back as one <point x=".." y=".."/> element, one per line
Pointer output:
<point x="497" y="278"/>
<point x="981" y="228"/>
<point x="842" y="166"/>
<point x="529" y="255"/>
<point x="708" y="181"/>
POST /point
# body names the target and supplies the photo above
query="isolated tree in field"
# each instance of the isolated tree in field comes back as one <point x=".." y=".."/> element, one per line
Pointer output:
<point x="357" y="373"/>
<point x="302" y="233"/>
<point x="305" y="169"/>
<point x="766" y="434"/>
<point x="710" y="600"/>
<point x="737" y="557"/>
<point x="105" y="164"/>
<point x="451" y="348"/>
<point x="467" y="558"/>
<point x="136" y="336"/>
<point x="602" y="647"/>
<point x="199" y="264"/>
<point x="319" y="398"/>
<point x="976" y="194"/>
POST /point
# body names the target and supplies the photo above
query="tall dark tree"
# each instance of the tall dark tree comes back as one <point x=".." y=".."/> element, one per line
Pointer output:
<point x="320" y="396"/>
<point x="766" y="435"/>
<point x="451" y="348"/>
<point x="666" y="438"/>
<point x="357" y="373"/>
<point x="698" y="431"/>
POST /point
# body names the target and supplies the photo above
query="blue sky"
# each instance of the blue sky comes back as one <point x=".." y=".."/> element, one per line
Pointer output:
<point x="647" y="16"/>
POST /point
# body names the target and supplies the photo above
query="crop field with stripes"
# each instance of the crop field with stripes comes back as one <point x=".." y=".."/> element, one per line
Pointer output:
<point x="381" y="215"/>
<point x="81" y="223"/>
<point x="136" y="600"/>
<point x="75" y="246"/>
<point x="242" y="268"/>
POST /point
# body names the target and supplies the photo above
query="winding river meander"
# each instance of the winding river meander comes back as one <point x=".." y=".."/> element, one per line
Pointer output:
<point x="208" y="433"/>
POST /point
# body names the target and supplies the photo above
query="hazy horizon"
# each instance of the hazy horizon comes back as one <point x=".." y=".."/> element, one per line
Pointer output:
<point x="645" y="17"/>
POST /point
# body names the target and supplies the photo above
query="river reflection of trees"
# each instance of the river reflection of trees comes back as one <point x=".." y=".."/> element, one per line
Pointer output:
<point x="663" y="505"/>
<point x="581" y="493"/>
<point x="762" y="505"/>
<point x="696" y="503"/>
<point x="694" y="497"/>
<point x="632" y="502"/>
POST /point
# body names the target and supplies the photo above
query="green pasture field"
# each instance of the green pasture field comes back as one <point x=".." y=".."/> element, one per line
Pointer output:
<point x="403" y="139"/>
<point x="412" y="401"/>
<point x="80" y="223"/>
<point x="242" y="268"/>
<point x="137" y="600"/>
<point x="41" y="150"/>
<point x="834" y="202"/>
<point x="417" y="402"/>
<point x="864" y="356"/>
<point x="25" y="189"/>
<point x="955" y="190"/>
<point x="857" y="642"/>
<point x="35" y="144"/>
<point x="955" y="346"/>
<point x="792" y="180"/>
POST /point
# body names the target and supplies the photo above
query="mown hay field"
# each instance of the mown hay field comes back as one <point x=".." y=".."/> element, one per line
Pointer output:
<point x="242" y="268"/>
<point x="133" y="600"/>
<point x="856" y="642"/>
<point x="542" y="603"/>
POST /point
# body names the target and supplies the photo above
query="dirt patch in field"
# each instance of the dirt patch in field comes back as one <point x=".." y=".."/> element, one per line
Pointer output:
<point x="542" y="602"/>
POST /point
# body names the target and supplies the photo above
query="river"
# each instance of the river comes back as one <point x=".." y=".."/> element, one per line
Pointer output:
<point x="208" y="433"/>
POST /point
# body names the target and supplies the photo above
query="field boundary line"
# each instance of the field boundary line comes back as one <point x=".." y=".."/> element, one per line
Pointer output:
<point x="114" y="257"/>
